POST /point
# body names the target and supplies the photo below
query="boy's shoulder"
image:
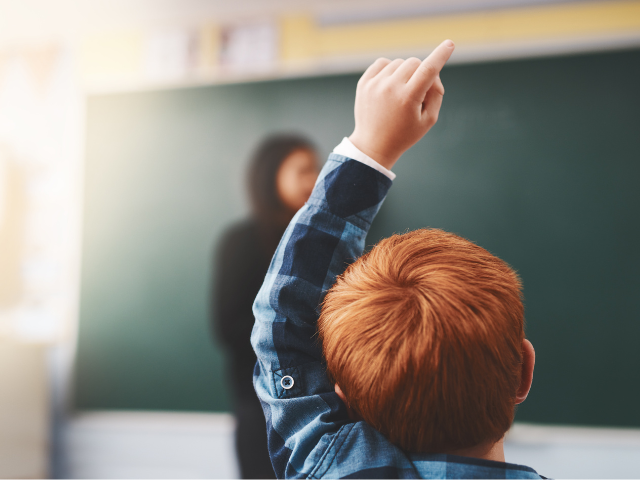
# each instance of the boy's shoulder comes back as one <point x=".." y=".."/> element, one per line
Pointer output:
<point x="360" y="451"/>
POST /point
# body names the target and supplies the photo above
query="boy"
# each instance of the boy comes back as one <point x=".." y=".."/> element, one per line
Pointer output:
<point x="423" y="340"/>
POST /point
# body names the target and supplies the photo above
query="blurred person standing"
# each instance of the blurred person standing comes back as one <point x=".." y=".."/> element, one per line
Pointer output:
<point x="282" y="174"/>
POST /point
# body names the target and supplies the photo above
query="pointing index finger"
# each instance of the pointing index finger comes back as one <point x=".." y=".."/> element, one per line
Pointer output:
<point x="429" y="69"/>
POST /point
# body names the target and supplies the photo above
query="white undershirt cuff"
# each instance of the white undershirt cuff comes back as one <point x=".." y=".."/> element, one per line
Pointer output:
<point x="348" y="149"/>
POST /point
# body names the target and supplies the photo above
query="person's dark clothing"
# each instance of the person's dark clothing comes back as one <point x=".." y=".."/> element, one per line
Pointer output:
<point x="242" y="260"/>
<point x="251" y="440"/>
<point x="241" y="263"/>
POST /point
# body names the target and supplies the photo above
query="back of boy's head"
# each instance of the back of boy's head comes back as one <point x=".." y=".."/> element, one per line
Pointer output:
<point x="423" y="334"/>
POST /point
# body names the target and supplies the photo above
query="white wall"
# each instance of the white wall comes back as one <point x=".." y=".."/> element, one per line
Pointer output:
<point x="149" y="445"/>
<point x="192" y="445"/>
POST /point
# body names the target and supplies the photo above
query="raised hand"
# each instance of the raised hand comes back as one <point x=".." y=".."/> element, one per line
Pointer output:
<point x="397" y="102"/>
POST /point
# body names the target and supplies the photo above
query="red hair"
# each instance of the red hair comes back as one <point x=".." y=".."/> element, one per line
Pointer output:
<point x="424" y="334"/>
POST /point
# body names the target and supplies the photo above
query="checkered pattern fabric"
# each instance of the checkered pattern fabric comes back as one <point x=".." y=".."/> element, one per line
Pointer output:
<point x="310" y="434"/>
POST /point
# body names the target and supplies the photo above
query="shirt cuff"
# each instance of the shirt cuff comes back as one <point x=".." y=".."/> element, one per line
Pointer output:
<point x="348" y="149"/>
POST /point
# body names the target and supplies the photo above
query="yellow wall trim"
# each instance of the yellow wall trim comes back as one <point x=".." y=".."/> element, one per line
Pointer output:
<point x="303" y="39"/>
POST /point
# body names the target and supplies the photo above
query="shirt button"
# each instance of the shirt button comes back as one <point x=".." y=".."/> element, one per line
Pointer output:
<point x="287" y="382"/>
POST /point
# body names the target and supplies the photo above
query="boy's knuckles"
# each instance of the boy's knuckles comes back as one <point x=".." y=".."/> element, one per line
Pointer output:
<point x="393" y="66"/>
<point x="413" y="61"/>
<point x="385" y="89"/>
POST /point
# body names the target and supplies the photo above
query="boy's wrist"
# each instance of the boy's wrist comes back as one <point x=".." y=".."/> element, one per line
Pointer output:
<point x="369" y="147"/>
<point x="347" y="149"/>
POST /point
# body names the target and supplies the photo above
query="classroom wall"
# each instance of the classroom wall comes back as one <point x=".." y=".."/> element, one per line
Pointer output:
<point x="24" y="411"/>
<point x="534" y="160"/>
<point x="53" y="53"/>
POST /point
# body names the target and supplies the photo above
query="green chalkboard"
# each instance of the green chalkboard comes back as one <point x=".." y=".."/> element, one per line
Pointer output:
<point x="536" y="160"/>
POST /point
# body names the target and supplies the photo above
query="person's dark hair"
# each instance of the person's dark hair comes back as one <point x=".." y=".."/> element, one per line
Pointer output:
<point x="263" y="168"/>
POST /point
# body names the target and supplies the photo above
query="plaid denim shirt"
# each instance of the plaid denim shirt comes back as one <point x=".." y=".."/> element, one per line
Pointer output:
<point x="309" y="431"/>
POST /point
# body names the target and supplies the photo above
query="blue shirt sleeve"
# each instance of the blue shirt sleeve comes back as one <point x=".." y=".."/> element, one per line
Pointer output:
<point x="303" y="414"/>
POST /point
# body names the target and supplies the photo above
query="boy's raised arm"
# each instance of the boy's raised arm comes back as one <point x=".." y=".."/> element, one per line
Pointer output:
<point x="396" y="104"/>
